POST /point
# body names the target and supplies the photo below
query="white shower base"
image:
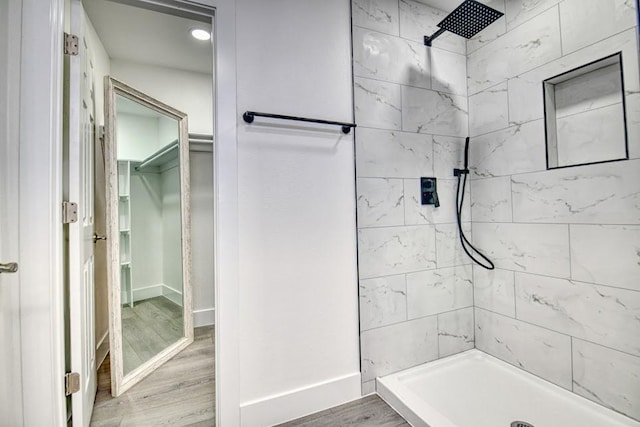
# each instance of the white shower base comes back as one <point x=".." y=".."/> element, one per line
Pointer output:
<point x="473" y="389"/>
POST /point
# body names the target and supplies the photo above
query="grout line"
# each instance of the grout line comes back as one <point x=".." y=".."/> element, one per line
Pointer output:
<point x="560" y="333"/>
<point x="515" y="298"/>
<point x="511" y="200"/>
<point x="415" y="225"/>
<point x="569" y="279"/>
<point x="409" y="132"/>
<point x="453" y="310"/>
<point x="563" y="56"/>
<point x="569" y="245"/>
<point x="562" y="52"/>
<point x="475" y="178"/>
<point x="572" y="375"/>
<point x="590" y="110"/>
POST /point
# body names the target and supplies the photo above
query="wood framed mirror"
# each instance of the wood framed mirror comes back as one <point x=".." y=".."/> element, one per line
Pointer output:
<point x="148" y="233"/>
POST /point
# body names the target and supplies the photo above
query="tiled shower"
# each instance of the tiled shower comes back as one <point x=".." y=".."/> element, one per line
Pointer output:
<point x="564" y="300"/>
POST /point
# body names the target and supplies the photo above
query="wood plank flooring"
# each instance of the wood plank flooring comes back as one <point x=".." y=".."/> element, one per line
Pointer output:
<point x="369" y="411"/>
<point x="149" y="327"/>
<point x="180" y="393"/>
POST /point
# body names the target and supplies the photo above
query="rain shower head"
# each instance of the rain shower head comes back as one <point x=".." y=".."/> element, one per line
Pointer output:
<point x="466" y="20"/>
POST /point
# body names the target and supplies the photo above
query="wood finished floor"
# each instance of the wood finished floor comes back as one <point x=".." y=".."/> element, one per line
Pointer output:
<point x="180" y="393"/>
<point x="149" y="327"/>
<point x="369" y="411"/>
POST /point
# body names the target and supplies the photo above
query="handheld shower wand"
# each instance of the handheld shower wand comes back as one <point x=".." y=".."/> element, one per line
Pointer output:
<point x="466" y="244"/>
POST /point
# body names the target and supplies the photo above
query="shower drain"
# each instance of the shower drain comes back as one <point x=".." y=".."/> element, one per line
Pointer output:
<point x="521" y="424"/>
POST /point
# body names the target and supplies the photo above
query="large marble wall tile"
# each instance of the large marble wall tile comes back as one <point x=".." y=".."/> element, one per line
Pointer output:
<point x="378" y="15"/>
<point x="596" y="89"/>
<point x="530" y="45"/>
<point x="491" y="199"/>
<point x="532" y="248"/>
<point x="518" y="149"/>
<point x="400" y="346"/>
<point x="380" y="202"/>
<point x="455" y="332"/>
<point x="415" y="213"/>
<point x="383" y="301"/>
<point x="448" y="248"/>
<point x="448" y="153"/>
<point x="418" y="20"/>
<point x="520" y="11"/>
<point x="606" y="254"/>
<point x="448" y="71"/>
<point x="525" y="91"/>
<point x="537" y="350"/>
<point x="633" y="125"/>
<point x="428" y="111"/>
<point x="377" y="104"/>
<point x="383" y="57"/>
<point x="381" y="153"/>
<point x="584" y="22"/>
<point x="493" y="290"/>
<point x="489" y="110"/>
<point x="607" y="377"/>
<point x="602" y="314"/>
<point x="436" y="291"/>
<point x="394" y="250"/>
<point x="492" y="32"/>
<point x="607" y="193"/>
<point x="592" y="136"/>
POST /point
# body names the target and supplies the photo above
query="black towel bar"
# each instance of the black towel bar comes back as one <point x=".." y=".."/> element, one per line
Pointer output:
<point x="248" y="117"/>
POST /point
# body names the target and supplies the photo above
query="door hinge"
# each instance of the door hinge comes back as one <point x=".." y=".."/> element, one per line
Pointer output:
<point x="71" y="44"/>
<point x="69" y="212"/>
<point x="71" y="383"/>
<point x="100" y="133"/>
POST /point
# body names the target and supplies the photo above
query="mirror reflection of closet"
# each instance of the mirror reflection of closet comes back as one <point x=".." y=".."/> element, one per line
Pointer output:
<point x="151" y="314"/>
<point x="148" y="45"/>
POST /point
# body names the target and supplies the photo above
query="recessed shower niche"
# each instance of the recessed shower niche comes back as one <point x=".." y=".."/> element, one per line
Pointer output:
<point x="585" y="114"/>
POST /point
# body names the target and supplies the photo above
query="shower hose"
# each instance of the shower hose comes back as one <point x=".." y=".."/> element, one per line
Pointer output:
<point x="483" y="262"/>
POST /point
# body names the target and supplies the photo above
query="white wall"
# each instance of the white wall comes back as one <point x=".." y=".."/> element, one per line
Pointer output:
<point x="202" y="209"/>
<point x="171" y="229"/>
<point x="146" y="231"/>
<point x="137" y="136"/>
<point x="186" y="91"/>
<point x="298" y="288"/>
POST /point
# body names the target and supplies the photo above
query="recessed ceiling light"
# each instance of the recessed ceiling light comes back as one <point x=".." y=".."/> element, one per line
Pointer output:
<point x="200" y="34"/>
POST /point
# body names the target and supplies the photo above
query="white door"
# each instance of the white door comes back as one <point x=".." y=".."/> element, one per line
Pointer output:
<point x="80" y="112"/>
<point x="10" y="382"/>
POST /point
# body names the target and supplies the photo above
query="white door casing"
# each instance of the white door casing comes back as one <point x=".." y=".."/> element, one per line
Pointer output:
<point x="80" y="140"/>
<point x="10" y="352"/>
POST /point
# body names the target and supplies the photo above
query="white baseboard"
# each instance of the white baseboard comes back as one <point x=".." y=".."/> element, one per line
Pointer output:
<point x="147" y="292"/>
<point x="204" y="317"/>
<point x="298" y="403"/>
<point x="172" y="295"/>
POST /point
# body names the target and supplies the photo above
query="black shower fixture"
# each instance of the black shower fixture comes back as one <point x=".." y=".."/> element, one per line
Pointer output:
<point x="466" y="20"/>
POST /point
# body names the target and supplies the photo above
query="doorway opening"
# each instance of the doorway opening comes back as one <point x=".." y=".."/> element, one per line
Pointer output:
<point x="149" y="46"/>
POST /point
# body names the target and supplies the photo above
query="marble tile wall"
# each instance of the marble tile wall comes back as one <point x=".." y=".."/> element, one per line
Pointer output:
<point x="416" y="292"/>
<point x="564" y="301"/>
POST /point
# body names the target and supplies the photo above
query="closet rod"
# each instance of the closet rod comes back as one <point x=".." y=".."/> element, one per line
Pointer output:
<point x="157" y="154"/>
<point x="248" y="117"/>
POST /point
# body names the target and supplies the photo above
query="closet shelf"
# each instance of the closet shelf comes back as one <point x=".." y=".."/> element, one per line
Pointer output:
<point x="160" y="157"/>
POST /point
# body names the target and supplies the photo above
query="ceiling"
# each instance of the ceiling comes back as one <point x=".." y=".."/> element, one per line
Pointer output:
<point x="149" y="37"/>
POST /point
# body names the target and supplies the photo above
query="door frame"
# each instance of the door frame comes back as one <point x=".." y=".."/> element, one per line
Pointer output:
<point x="41" y="238"/>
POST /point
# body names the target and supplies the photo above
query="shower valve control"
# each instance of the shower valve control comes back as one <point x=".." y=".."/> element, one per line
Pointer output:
<point x="429" y="192"/>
